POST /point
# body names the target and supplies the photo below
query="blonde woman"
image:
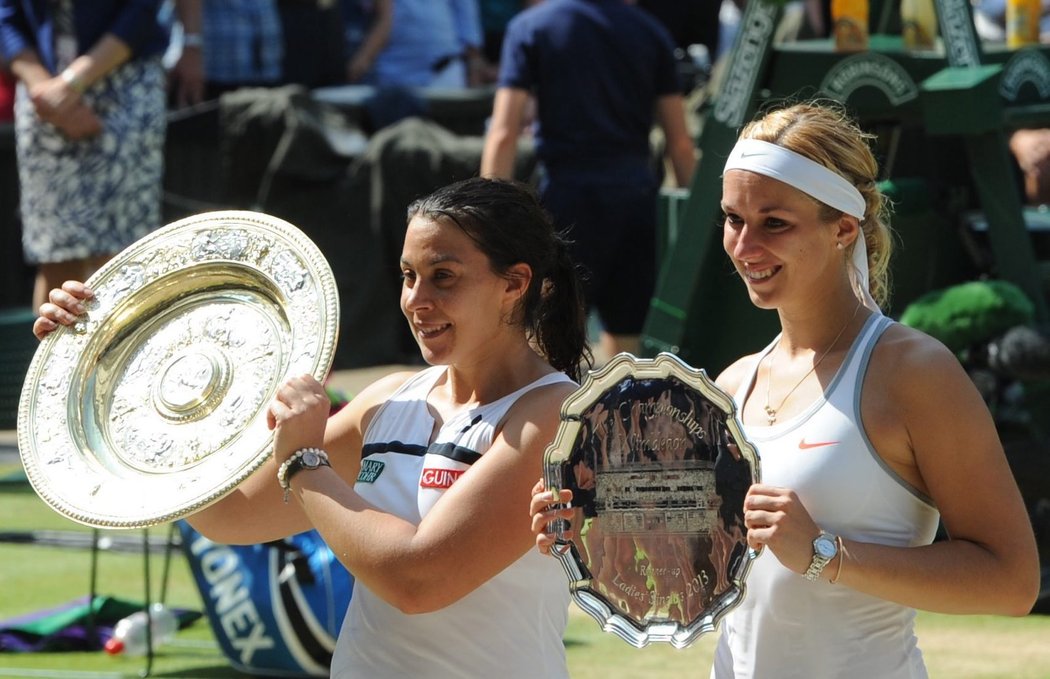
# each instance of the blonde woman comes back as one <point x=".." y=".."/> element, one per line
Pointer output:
<point x="869" y="432"/>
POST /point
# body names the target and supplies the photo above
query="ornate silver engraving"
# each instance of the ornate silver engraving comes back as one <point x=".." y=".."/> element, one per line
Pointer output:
<point x="154" y="404"/>
<point x="658" y="467"/>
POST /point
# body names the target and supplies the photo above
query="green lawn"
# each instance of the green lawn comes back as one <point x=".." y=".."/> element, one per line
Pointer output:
<point x="39" y="577"/>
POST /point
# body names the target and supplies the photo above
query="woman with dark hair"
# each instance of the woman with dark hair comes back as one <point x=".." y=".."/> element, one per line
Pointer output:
<point x="419" y="484"/>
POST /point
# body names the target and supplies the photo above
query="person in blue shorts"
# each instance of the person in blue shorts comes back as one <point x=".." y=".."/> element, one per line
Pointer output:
<point x="601" y="72"/>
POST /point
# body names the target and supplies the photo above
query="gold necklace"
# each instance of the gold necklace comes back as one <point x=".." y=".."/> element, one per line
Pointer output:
<point x="771" y="413"/>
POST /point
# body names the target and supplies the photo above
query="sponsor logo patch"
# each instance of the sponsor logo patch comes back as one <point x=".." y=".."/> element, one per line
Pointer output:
<point x="370" y="471"/>
<point x="439" y="478"/>
<point x="806" y="445"/>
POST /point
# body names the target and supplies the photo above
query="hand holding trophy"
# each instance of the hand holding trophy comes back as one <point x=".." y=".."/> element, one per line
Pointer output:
<point x="658" y="468"/>
<point x="153" y="404"/>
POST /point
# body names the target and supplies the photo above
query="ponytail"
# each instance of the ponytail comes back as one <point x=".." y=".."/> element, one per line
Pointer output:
<point x="560" y="325"/>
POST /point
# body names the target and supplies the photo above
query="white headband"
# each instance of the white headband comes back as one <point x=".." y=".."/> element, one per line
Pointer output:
<point x="858" y="273"/>
<point x="815" y="180"/>
<point x="808" y="176"/>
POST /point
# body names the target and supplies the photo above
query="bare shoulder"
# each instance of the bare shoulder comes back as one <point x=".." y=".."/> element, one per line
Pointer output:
<point x="920" y="375"/>
<point x="358" y="413"/>
<point x="910" y="356"/>
<point x="545" y="401"/>
<point x="537" y="414"/>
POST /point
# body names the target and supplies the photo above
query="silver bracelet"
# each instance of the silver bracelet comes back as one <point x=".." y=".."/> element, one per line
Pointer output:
<point x="75" y="82"/>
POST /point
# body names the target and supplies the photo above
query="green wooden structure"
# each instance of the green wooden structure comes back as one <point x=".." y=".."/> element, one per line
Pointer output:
<point x="942" y="118"/>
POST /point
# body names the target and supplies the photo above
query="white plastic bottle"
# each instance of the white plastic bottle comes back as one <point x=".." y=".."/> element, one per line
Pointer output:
<point x="129" y="634"/>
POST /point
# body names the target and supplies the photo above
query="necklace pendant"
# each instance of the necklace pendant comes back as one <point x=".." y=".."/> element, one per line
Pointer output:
<point x="771" y="415"/>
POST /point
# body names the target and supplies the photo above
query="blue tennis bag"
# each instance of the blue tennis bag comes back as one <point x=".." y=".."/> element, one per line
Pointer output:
<point x="275" y="608"/>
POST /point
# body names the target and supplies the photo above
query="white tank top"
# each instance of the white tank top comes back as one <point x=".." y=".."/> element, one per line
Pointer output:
<point x="788" y="627"/>
<point x="512" y="625"/>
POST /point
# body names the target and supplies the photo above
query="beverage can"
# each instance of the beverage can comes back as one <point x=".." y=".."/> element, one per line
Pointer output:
<point x="1022" y="22"/>
<point x="850" y="21"/>
<point x="918" y="24"/>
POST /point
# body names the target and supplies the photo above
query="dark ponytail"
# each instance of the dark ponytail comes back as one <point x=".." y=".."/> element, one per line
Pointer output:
<point x="560" y="327"/>
<point x="508" y="224"/>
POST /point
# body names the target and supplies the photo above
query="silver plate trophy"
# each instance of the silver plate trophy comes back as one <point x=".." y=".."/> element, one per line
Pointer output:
<point x="655" y="457"/>
<point x="154" y="404"/>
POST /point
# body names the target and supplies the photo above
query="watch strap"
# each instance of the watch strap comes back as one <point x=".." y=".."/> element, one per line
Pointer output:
<point x="819" y="562"/>
<point x="295" y="464"/>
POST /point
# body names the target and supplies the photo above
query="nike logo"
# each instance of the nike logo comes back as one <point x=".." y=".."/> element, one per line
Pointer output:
<point x="802" y="445"/>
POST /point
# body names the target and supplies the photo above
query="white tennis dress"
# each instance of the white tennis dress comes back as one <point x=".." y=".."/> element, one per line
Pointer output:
<point x="512" y="625"/>
<point x="788" y="627"/>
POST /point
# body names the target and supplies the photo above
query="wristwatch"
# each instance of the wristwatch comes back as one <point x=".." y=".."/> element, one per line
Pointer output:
<point x="304" y="458"/>
<point x="825" y="547"/>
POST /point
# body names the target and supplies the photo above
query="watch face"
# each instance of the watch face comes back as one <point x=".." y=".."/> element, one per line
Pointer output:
<point x="311" y="459"/>
<point x="825" y="547"/>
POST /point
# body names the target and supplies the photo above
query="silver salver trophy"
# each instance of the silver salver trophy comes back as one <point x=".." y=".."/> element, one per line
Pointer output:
<point x="154" y="404"/>
<point x="658" y="466"/>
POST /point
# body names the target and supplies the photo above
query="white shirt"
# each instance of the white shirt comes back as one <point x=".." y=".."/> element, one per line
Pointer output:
<point x="788" y="627"/>
<point x="512" y="625"/>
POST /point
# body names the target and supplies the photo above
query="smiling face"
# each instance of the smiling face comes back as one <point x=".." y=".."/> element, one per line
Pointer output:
<point x="457" y="307"/>
<point x="779" y="243"/>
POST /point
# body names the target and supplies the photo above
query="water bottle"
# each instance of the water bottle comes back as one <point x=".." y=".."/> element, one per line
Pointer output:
<point x="129" y="634"/>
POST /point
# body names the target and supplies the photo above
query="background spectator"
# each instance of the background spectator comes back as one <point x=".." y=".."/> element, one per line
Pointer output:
<point x="433" y="43"/>
<point x="598" y="71"/>
<point x="367" y="24"/>
<point x="230" y="44"/>
<point x="90" y="122"/>
<point x="227" y="44"/>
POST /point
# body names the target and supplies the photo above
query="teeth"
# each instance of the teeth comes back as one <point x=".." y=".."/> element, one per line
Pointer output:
<point x="759" y="275"/>
<point x="432" y="331"/>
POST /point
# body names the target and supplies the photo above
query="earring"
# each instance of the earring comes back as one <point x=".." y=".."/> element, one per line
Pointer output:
<point x="839" y="245"/>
